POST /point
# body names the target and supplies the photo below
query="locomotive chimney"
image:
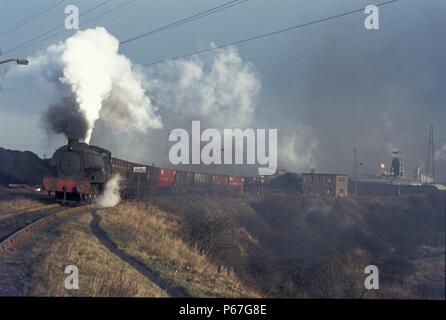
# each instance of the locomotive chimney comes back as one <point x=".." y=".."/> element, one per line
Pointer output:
<point x="73" y="140"/>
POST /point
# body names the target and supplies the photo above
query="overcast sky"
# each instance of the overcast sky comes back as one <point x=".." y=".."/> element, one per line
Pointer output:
<point x="343" y="85"/>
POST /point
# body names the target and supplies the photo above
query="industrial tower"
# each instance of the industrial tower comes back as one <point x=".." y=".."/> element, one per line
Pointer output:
<point x="430" y="162"/>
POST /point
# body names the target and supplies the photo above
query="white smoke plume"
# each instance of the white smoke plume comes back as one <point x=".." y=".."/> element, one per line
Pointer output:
<point x="104" y="83"/>
<point x="440" y="153"/>
<point x="389" y="127"/>
<point x="391" y="147"/>
<point x="296" y="150"/>
<point x="111" y="196"/>
<point x="220" y="91"/>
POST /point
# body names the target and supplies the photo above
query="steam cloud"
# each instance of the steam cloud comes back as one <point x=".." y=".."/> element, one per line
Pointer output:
<point x="219" y="92"/>
<point x="111" y="196"/>
<point x="440" y="154"/>
<point x="99" y="90"/>
<point x="220" y="89"/>
<point x="296" y="150"/>
<point x="342" y="85"/>
<point x="102" y="82"/>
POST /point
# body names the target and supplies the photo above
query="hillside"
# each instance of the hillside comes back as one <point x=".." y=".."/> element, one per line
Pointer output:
<point x="22" y="167"/>
<point x="295" y="246"/>
<point x="277" y="245"/>
<point x="145" y="236"/>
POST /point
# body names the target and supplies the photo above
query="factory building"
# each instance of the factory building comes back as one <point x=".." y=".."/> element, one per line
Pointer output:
<point x="325" y="184"/>
<point x="397" y="169"/>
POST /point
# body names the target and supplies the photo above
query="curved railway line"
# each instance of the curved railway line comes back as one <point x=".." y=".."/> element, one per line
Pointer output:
<point x="28" y="210"/>
<point x="19" y="226"/>
<point x="27" y="229"/>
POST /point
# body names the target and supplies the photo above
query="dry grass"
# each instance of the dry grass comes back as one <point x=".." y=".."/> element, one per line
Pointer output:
<point x="9" y="206"/>
<point x="279" y="246"/>
<point x="151" y="237"/>
<point x="290" y="245"/>
<point x="429" y="279"/>
<point x="101" y="273"/>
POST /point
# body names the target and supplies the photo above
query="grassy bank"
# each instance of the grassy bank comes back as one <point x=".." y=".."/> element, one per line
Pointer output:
<point x="151" y="236"/>
<point x="101" y="274"/>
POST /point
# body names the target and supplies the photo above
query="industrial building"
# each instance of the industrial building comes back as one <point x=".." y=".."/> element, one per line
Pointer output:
<point x="325" y="184"/>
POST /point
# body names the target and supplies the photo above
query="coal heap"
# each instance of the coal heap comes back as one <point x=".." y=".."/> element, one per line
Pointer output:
<point x="23" y="167"/>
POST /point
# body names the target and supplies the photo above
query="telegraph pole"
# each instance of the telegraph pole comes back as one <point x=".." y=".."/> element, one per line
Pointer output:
<point x="355" y="170"/>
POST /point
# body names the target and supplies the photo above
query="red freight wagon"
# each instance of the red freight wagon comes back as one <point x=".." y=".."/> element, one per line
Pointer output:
<point x="219" y="180"/>
<point x="236" y="182"/>
<point x="162" y="177"/>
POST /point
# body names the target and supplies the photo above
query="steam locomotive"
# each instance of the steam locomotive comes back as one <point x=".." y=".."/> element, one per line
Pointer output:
<point x="83" y="171"/>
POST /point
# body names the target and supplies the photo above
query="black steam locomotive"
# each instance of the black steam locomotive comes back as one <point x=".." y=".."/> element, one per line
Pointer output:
<point x="82" y="170"/>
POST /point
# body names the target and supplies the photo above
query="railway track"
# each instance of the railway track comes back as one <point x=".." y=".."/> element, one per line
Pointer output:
<point x="28" y="210"/>
<point x="18" y="236"/>
<point x="24" y="232"/>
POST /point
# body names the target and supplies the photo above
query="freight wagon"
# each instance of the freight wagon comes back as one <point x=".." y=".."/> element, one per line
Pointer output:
<point x="141" y="180"/>
<point x="83" y="171"/>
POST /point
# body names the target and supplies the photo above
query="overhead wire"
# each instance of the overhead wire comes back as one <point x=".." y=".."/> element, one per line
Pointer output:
<point x="264" y="35"/>
<point x="31" y="18"/>
<point x="80" y="24"/>
<point x="22" y="45"/>
<point x="41" y="37"/>
<point x="196" y="16"/>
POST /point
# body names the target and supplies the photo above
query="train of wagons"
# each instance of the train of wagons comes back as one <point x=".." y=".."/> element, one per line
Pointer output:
<point x="84" y="170"/>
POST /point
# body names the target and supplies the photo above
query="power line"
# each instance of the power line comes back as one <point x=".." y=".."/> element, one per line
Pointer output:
<point x="21" y="88"/>
<point x="53" y="29"/>
<point x="39" y="39"/>
<point x="196" y="16"/>
<point x="264" y="35"/>
<point x="95" y="7"/>
<point x="199" y="15"/>
<point x="31" y="18"/>
<point x="81" y="24"/>
<point x="108" y="12"/>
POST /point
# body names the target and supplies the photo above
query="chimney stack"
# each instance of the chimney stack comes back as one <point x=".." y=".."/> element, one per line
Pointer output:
<point x="73" y="141"/>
